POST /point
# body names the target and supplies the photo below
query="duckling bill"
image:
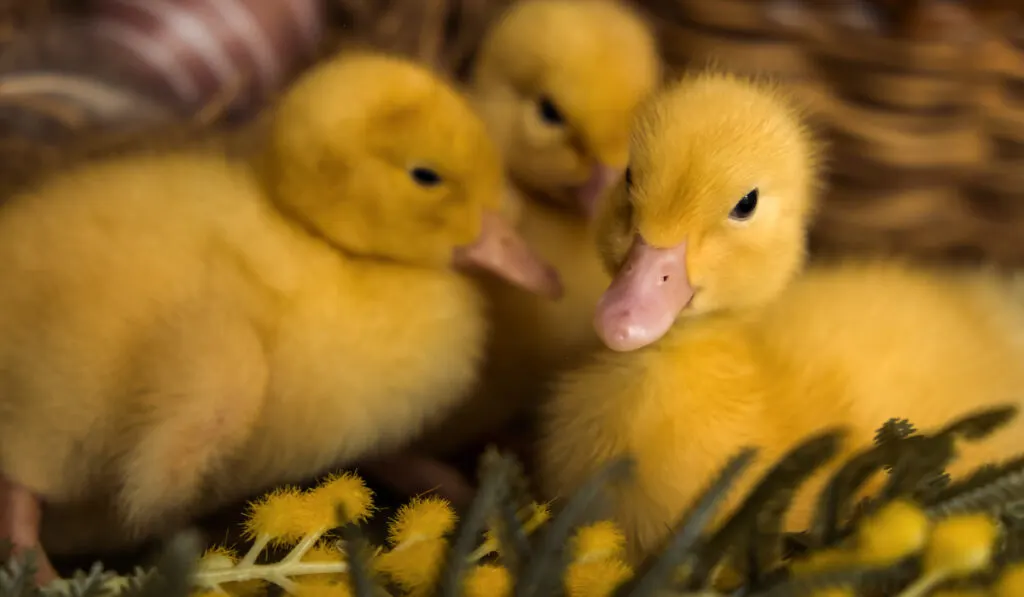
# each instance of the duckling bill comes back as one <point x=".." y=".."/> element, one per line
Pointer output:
<point x="645" y="298"/>
<point x="500" y="250"/>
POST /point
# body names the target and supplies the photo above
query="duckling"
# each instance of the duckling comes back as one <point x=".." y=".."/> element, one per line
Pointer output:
<point x="183" y="330"/>
<point x="556" y="82"/>
<point x="718" y="335"/>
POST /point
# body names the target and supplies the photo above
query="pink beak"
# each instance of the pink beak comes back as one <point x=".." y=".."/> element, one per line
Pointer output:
<point x="644" y="299"/>
<point x="502" y="251"/>
<point x="589" y="195"/>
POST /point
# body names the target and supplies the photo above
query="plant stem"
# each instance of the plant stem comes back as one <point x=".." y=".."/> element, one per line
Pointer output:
<point x="924" y="585"/>
<point x="254" y="552"/>
<point x="285" y="583"/>
<point x="488" y="546"/>
<point x="303" y="546"/>
<point x="269" y="572"/>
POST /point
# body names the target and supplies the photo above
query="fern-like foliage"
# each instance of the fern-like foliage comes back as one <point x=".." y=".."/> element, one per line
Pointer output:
<point x="919" y="535"/>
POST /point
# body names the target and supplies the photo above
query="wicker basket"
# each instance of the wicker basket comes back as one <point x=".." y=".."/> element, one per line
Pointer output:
<point x="925" y="124"/>
<point x="907" y="133"/>
<point x="926" y="132"/>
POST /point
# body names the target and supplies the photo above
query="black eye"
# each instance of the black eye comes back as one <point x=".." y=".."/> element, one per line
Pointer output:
<point x="629" y="178"/>
<point x="425" y="176"/>
<point x="549" y="112"/>
<point x="745" y="207"/>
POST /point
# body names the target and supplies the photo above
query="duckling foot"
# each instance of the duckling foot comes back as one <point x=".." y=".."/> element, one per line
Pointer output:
<point x="20" y="513"/>
<point x="412" y="474"/>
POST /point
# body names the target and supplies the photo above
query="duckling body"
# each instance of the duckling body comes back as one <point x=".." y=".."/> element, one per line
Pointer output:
<point x="224" y="361"/>
<point x="853" y="345"/>
<point x="717" y="338"/>
<point x="181" y="330"/>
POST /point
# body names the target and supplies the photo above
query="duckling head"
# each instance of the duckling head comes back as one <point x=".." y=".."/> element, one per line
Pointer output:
<point x="712" y="212"/>
<point x="557" y="82"/>
<point x="383" y="159"/>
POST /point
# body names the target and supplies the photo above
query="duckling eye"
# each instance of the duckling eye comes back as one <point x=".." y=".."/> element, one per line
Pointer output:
<point x="745" y="207"/>
<point x="629" y="178"/>
<point x="549" y="113"/>
<point x="425" y="176"/>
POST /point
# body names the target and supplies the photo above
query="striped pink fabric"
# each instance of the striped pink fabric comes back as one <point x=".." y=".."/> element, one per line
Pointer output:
<point x="197" y="48"/>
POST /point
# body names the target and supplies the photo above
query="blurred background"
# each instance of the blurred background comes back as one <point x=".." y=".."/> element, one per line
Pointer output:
<point x="921" y="101"/>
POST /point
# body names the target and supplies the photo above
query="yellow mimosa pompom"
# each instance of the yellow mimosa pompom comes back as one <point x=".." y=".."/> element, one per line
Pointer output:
<point x="421" y="518"/>
<point x="280" y="515"/>
<point x="324" y="552"/>
<point x="1011" y="582"/>
<point x="414" y="566"/>
<point x="533" y="517"/>
<point x="598" y="541"/>
<point x="322" y="588"/>
<point x="961" y="544"/>
<point x="595" y="579"/>
<point x="897" y="530"/>
<point x="218" y="558"/>
<point x="345" y="489"/>
<point x="488" y="580"/>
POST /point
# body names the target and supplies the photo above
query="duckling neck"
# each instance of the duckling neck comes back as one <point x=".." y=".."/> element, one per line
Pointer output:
<point x="363" y="354"/>
<point x="548" y="202"/>
<point x="710" y="368"/>
<point x="552" y="213"/>
<point x="737" y="312"/>
<point x="773" y="283"/>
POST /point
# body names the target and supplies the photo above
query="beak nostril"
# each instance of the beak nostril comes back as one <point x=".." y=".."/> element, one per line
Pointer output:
<point x="664" y="278"/>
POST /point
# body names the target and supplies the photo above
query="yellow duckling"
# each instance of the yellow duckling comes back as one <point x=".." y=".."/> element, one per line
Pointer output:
<point x="717" y="339"/>
<point x="556" y="82"/>
<point x="178" y="331"/>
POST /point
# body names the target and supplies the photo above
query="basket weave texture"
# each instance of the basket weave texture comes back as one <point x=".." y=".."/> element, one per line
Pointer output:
<point x="921" y="103"/>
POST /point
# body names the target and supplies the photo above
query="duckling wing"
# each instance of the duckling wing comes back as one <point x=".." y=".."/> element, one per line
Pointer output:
<point x="863" y="343"/>
<point x="116" y="317"/>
